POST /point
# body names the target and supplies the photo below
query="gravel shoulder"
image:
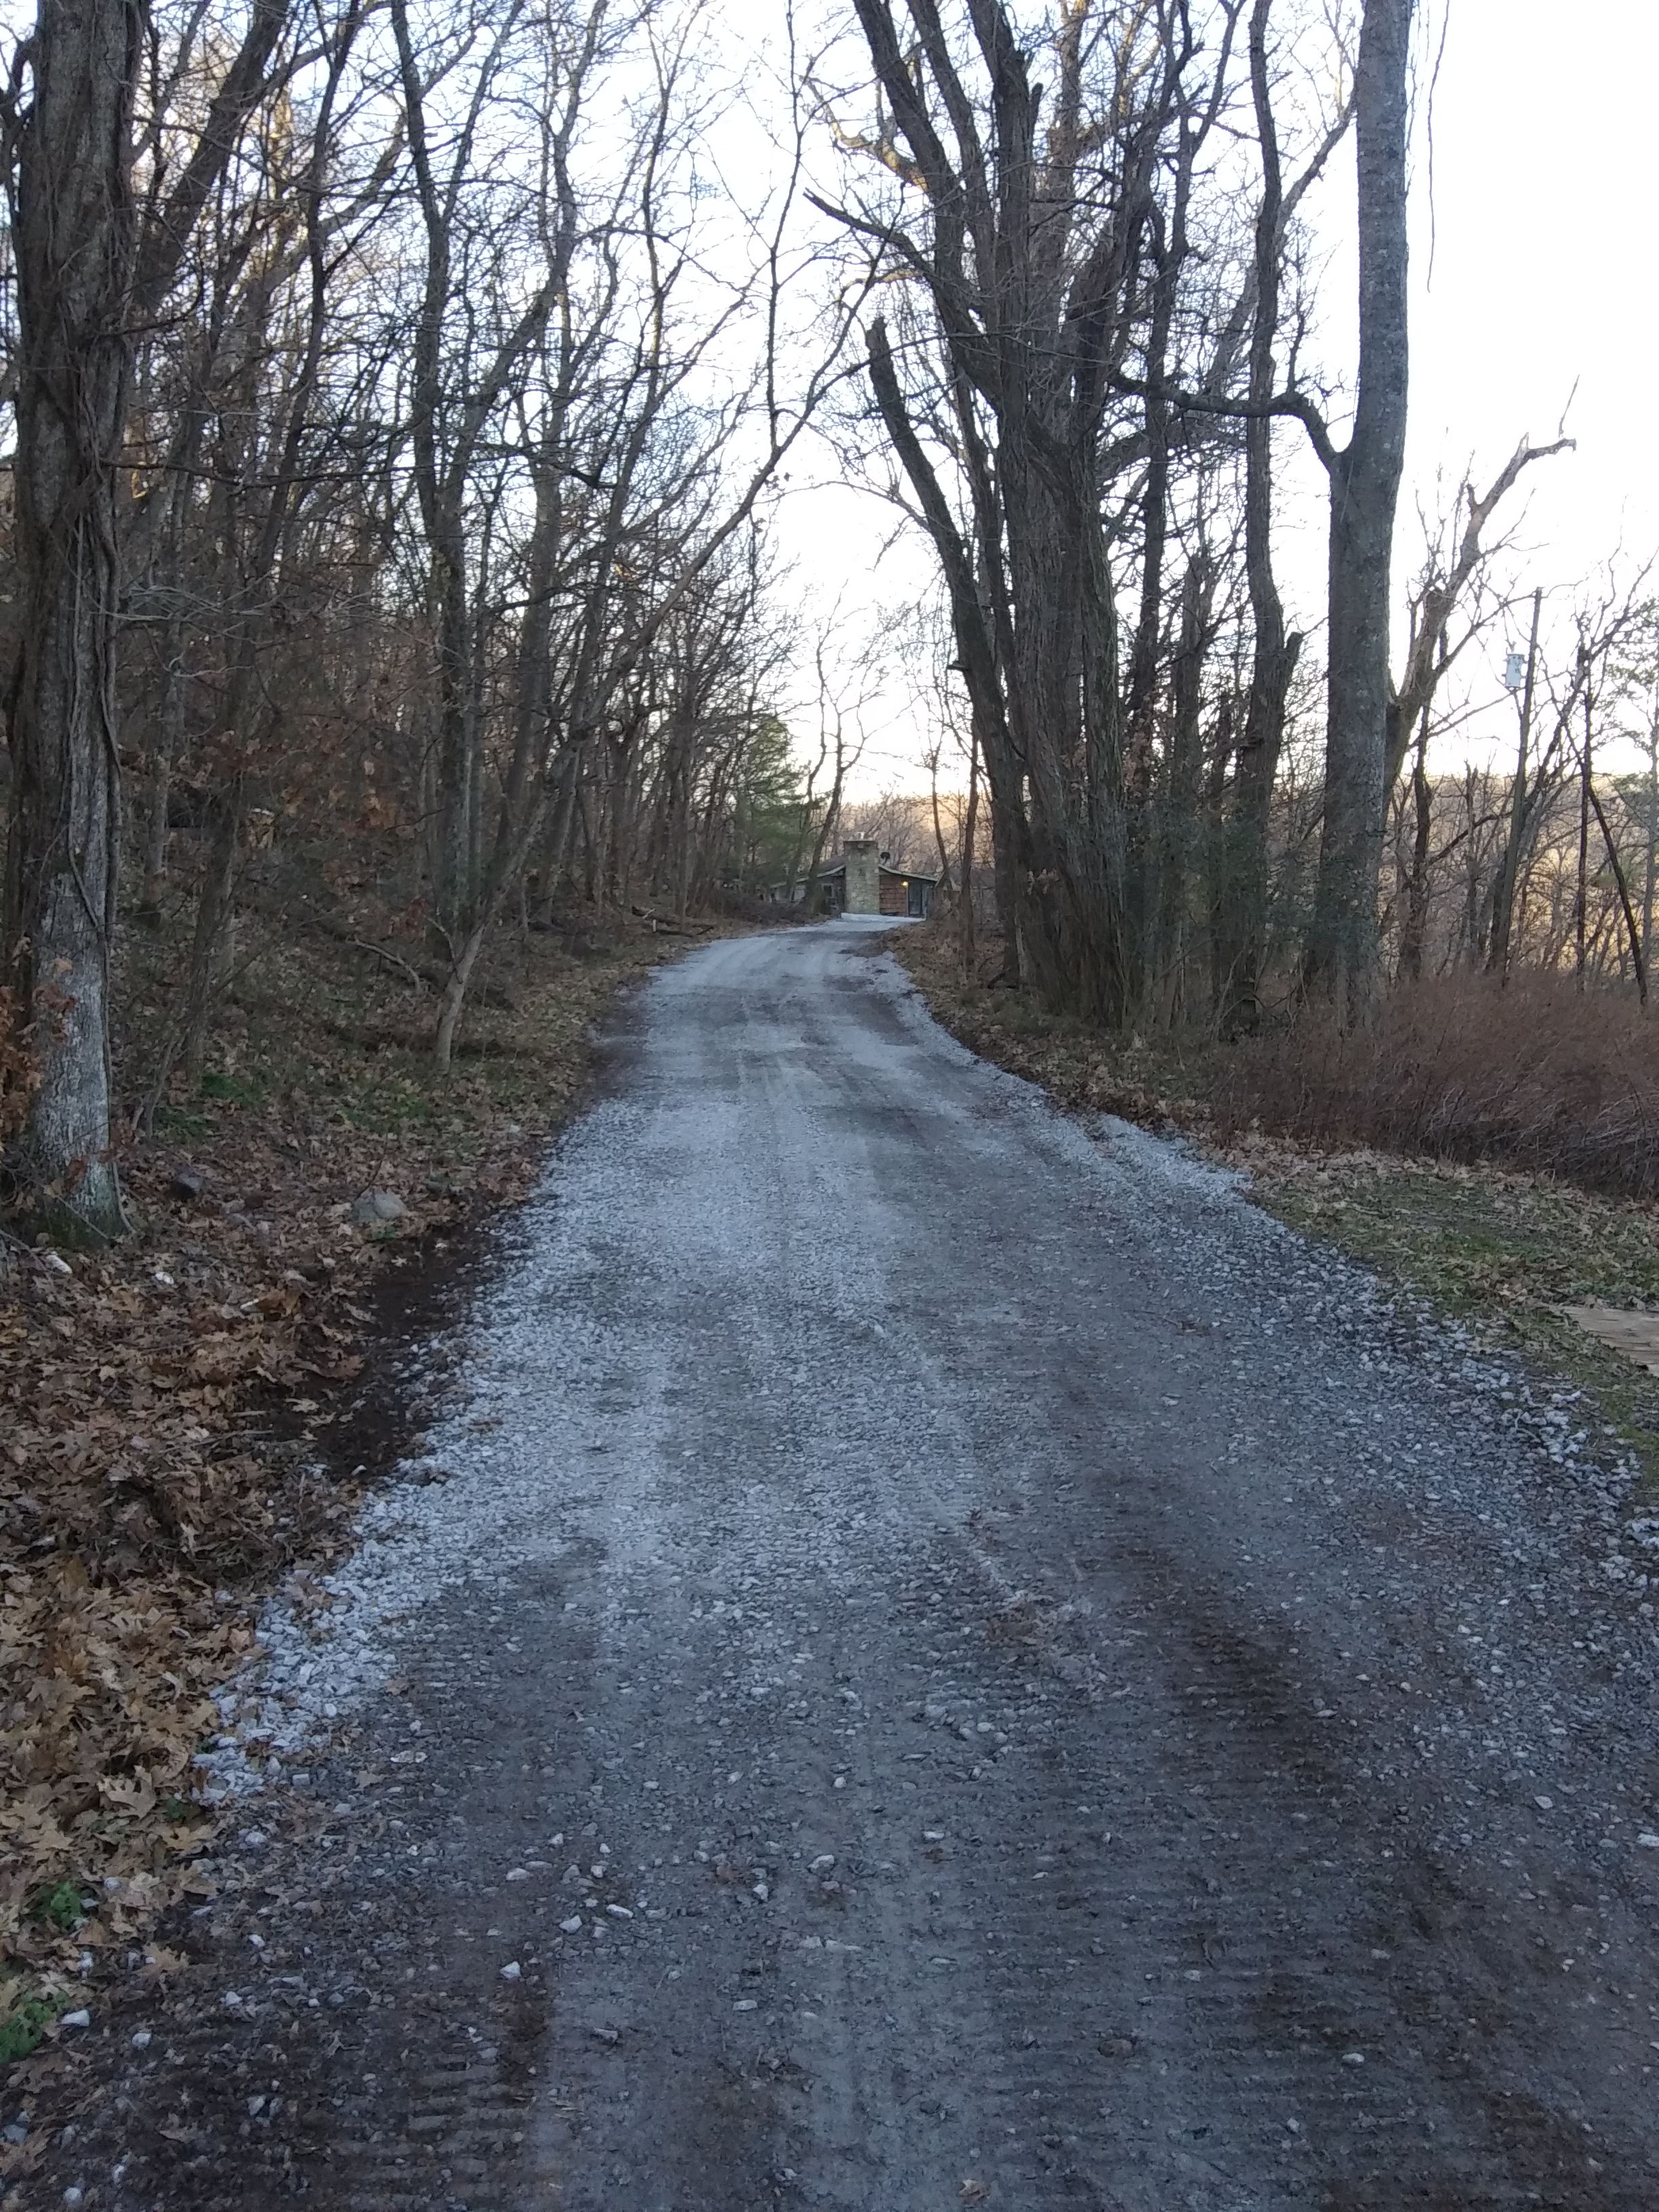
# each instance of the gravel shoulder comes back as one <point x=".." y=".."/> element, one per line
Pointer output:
<point x="937" y="1657"/>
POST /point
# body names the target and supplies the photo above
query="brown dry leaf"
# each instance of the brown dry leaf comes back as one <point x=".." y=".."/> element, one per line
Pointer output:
<point x="18" y="2158"/>
<point x="159" y="1404"/>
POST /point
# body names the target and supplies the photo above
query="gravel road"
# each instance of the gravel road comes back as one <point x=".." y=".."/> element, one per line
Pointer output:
<point x="937" y="1657"/>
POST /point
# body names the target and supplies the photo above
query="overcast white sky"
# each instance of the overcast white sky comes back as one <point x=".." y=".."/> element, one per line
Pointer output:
<point x="1532" y="271"/>
<point x="1546" y="188"/>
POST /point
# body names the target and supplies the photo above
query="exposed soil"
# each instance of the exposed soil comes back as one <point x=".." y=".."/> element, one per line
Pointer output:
<point x="934" y="1657"/>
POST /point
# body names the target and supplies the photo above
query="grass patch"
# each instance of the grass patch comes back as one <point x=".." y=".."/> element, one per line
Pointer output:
<point x="1500" y="1253"/>
<point x="25" y="2014"/>
<point x="60" y="1907"/>
<point x="1534" y="1078"/>
<point x="230" y="1090"/>
<point x="179" y="1122"/>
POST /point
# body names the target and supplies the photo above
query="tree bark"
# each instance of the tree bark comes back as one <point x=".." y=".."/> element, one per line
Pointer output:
<point x="75" y="243"/>
<point x="1581" y="901"/>
<point x="969" y="834"/>
<point x="1365" y="480"/>
<point x="1508" y="877"/>
<point x="81" y="275"/>
<point x="1183" y="791"/>
<point x="1417" y="889"/>
<point x="1244" y="898"/>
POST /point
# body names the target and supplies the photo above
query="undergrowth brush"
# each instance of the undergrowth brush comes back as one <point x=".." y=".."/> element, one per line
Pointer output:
<point x="1535" y="1077"/>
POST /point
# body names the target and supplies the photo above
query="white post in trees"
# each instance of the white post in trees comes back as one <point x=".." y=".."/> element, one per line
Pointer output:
<point x="73" y="241"/>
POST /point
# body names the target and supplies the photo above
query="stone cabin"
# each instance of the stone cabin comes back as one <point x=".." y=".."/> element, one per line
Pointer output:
<point x="863" y="882"/>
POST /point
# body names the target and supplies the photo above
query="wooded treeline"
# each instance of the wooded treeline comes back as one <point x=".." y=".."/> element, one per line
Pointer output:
<point x="399" y="392"/>
<point x="395" y="406"/>
<point x="1099" y="358"/>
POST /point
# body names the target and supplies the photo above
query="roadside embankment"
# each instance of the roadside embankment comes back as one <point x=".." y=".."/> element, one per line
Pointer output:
<point x="1338" y="1145"/>
<point x="180" y="1417"/>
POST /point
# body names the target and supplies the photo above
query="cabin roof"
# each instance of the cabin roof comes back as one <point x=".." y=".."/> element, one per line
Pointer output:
<point x="884" y="867"/>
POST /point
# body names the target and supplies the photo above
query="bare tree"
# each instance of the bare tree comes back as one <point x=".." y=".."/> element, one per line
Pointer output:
<point x="1440" y="591"/>
<point x="1365" y="480"/>
<point x="1608" y="618"/>
<point x="1242" y="917"/>
<point x="83" y="273"/>
<point x="1032" y="227"/>
<point x="74" y="238"/>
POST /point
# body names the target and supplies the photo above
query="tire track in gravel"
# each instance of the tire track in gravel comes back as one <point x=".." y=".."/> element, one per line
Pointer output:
<point x="951" y="1662"/>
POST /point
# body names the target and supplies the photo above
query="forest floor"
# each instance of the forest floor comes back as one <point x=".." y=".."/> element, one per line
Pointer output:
<point x="928" y="1654"/>
<point x="1503" y="1253"/>
<point x="178" y="1424"/>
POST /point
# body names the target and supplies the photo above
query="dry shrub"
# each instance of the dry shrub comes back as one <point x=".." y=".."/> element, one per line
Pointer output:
<point x="1536" y="1076"/>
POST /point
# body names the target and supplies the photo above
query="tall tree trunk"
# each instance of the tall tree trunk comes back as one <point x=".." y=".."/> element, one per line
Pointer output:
<point x="82" y="283"/>
<point x="257" y="593"/>
<point x="1218" y="887"/>
<point x="1245" y="896"/>
<point x="969" y="835"/>
<point x="167" y="728"/>
<point x="1182" y="795"/>
<point x="1621" y="884"/>
<point x="439" y="485"/>
<point x="74" y="245"/>
<point x="1034" y="269"/>
<point x="1147" y="889"/>
<point x="559" y="823"/>
<point x="977" y="659"/>
<point x="530" y="782"/>
<point x="215" y="904"/>
<point x="1365" y="481"/>
<point x="166" y="732"/>
<point x="1581" y="902"/>
<point x="1508" y="875"/>
<point x="1417" y="889"/>
<point x="1650" y="840"/>
<point x="946" y="887"/>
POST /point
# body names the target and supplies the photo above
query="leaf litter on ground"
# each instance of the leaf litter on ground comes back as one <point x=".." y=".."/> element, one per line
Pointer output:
<point x="169" y="1411"/>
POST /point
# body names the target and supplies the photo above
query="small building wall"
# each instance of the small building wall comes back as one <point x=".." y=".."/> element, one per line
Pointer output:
<point x="905" y="894"/>
<point x="863" y="876"/>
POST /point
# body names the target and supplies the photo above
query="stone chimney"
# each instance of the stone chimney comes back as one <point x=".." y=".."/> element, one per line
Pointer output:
<point x="863" y="876"/>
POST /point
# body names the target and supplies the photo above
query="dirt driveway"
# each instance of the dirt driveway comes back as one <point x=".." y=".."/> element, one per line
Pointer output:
<point x="937" y="1658"/>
